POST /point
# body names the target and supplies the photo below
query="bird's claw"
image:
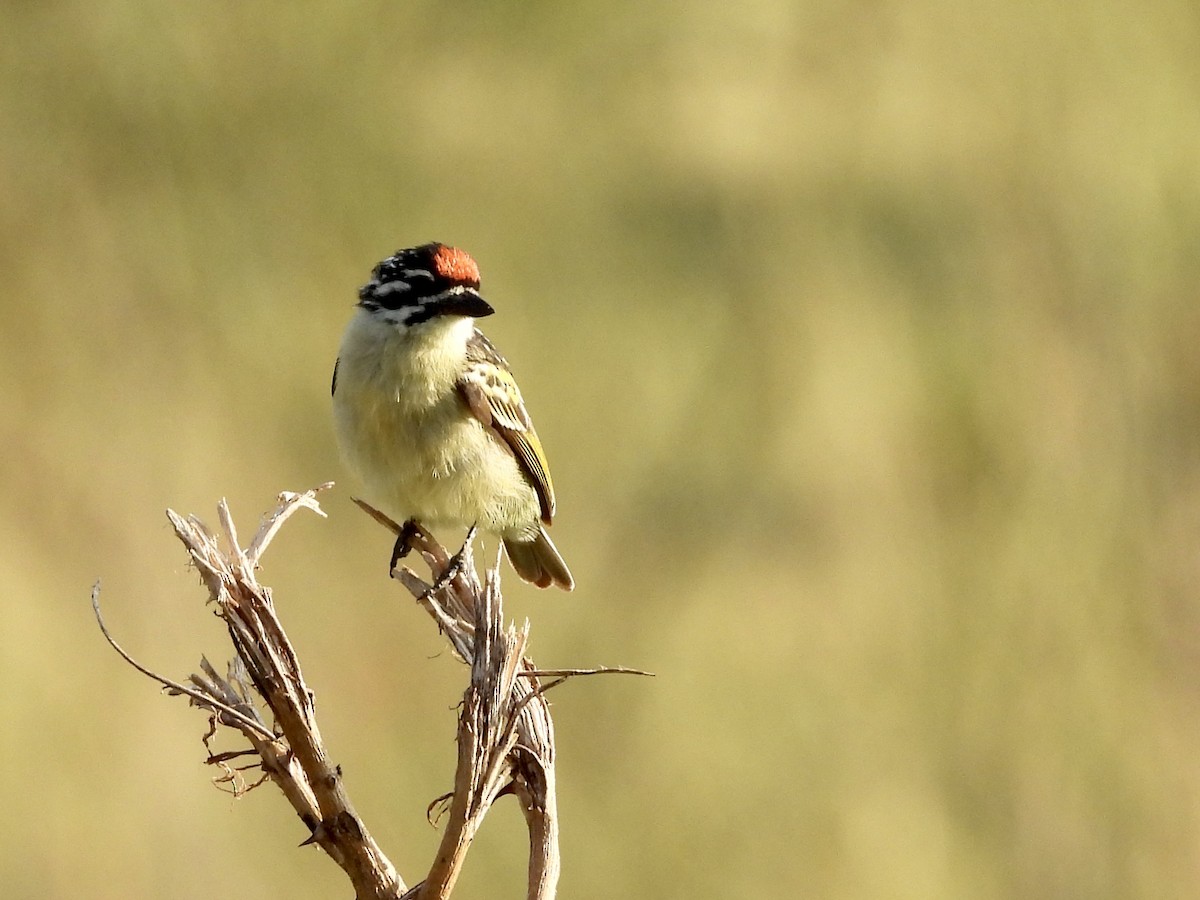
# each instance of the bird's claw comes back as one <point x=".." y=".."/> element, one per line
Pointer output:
<point x="403" y="545"/>
<point x="453" y="567"/>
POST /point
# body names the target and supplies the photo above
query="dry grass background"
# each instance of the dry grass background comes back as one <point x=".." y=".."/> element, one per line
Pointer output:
<point x="863" y="338"/>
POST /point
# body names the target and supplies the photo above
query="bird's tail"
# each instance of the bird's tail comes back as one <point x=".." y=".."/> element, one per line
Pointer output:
<point x="538" y="561"/>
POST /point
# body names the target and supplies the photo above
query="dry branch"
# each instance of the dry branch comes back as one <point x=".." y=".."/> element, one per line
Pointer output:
<point x="289" y="748"/>
<point x="505" y="734"/>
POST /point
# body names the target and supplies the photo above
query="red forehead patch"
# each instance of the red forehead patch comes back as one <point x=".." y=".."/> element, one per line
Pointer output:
<point x="455" y="265"/>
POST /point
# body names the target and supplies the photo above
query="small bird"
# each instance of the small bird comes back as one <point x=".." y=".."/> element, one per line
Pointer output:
<point x="429" y="416"/>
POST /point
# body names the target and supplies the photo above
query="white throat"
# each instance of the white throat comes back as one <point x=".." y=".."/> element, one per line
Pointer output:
<point x="413" y="366"/>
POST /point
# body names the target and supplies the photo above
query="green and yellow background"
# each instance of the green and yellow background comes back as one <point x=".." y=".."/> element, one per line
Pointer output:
<point x="865" y="344"/>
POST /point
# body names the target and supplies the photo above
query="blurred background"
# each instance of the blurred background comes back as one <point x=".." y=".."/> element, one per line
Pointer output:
<point x="863" y="341"/>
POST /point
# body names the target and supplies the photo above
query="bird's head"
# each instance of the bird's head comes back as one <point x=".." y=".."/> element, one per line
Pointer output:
<point x="423" y="283"/>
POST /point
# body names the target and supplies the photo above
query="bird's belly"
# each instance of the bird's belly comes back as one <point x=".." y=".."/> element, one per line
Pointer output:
<point x="438" y="465"/>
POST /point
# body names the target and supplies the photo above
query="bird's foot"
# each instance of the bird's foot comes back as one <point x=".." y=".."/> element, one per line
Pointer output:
<point x="408" y="531"/>
<point x="454" y="566"/>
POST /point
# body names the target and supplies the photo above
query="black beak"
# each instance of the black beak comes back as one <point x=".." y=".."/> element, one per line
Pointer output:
<point x="466" y="303"/>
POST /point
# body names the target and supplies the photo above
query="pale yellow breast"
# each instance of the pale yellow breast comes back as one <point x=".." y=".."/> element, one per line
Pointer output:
<point x="403" y="428"/>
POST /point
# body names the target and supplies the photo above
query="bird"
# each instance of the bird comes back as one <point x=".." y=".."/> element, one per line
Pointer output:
<point x="428" y="414"/>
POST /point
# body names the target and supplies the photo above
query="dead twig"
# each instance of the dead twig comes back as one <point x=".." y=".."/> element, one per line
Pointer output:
<point x="266" y="665"/>
<point x="505" y="733"/>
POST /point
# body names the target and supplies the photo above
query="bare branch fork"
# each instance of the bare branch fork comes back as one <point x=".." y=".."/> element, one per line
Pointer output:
<point x="505" y="734"/>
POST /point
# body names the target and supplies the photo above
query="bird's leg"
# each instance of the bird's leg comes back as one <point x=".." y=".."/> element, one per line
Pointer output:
<point x="408" y="531"/>
<point x="454" y="565"/>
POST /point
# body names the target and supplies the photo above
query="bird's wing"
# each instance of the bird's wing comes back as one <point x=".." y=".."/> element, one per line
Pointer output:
<point x="493" y="397"/>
